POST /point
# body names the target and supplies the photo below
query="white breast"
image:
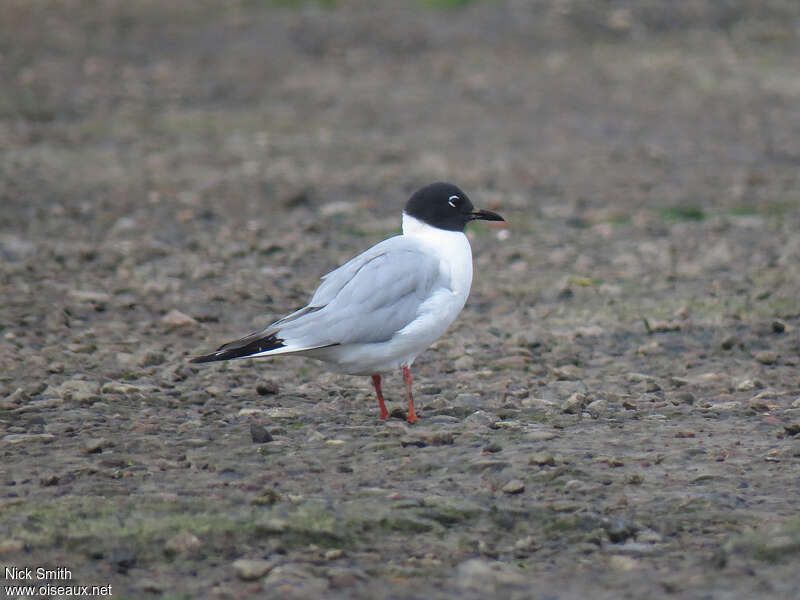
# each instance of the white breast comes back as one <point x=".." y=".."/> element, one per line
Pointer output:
<point x="453" y="250"/>
<point x="435" y="314"/>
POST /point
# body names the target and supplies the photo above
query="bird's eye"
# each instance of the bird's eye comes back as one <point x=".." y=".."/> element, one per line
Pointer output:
<point x="452" y="200"/>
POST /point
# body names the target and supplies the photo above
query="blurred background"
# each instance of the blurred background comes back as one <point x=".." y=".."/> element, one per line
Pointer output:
<point x="186" y="125"/>
<point x="558" y="108"/>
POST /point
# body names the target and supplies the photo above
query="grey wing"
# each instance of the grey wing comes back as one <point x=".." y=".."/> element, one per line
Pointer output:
<point x="368" y="299"/>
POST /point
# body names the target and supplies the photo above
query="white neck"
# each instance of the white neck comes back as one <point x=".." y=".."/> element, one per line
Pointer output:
<point x="412" y="225"/>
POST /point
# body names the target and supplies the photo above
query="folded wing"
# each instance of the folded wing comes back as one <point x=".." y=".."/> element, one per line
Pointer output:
<point x="368" y="299"/>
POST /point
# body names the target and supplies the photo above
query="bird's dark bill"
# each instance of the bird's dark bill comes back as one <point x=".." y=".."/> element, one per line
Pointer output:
<point x="485" y="215"/>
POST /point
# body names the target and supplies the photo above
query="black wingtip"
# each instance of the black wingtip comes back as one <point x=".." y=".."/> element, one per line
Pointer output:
<point x="242" y="348"/>
<point x="204" y="359"/>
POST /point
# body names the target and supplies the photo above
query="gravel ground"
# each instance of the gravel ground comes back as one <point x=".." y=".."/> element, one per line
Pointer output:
<point x="615" y="414"/>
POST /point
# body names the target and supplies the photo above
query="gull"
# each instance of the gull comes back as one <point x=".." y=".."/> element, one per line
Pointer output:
<point x="380" y="310"/>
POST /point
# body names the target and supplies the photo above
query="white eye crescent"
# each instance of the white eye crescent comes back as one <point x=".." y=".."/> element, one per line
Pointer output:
<point x="452" y="200"/>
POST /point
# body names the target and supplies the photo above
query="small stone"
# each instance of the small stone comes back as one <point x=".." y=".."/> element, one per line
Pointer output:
<point x="566" y="373"/>
<point x="259" y="434"/>
<point x="792" y="429"/>
<point x="649" y="349"/>
<point x="182" y="543"/>
<point x="630" y="404"/>
<point x="77" y="390"/>
<point x="95" y="445"/>
<point x="540" y="436"/>
<point x="619" y="562"/>
<point x="464" y="363"/>
<point x="344" y="578"/>
<point x="151" y="358"/>
<point x="117" y="387"/>
<point x="515" y="486"/>
<point x="22" y="438"/>
<point x="176" y="318"/>
<point x="267" y="498"/>
<point x="764" y="401"/>
<point x="487" y="576"/>
<point x="334" y="554"/>
<point x="683" y="398"/>
<point x="747" y="385"/>
<point x="267" y="388"/>
<point x="778" y="326"/>
<point x="480" y="417"/>
<point x="10" y="545"/>
<point x="729" y="342"/>
<point x="250" y="569"/>
<point x="542" y="459"/>
<point x="49" y="480"/>
<point x="151" y="586"/>
<point x="597" y="408"/>
<point x="648" y="536"/>
<point x="15" y="399"/>
<point x="524" y="545"/>
<point x="539" y="404"/>
<point x="574" y="404"/>
<point x="766" y="357"/>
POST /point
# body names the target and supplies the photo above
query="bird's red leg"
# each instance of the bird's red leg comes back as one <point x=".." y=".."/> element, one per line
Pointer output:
<point x="412" y="415"/>
<point x="376" y="383"/>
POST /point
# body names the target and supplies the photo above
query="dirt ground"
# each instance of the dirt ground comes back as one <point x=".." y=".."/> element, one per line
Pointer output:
<point x="615" y="414"/>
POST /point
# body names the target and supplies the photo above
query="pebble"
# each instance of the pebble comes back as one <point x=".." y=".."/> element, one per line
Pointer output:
<point x="763" y="401"/>
<point x="480" y="417"/>
<point x="486" y="576"/>
<point x="766" y="357"/>
<point x="597" y="408"/>
<point x="11" y="545"/>
<point x="95" y="445"/>
<point x="515" y="486"/>
<point x="464" y="363"/>
<point x="574" y="404"/>
<point x="21" y="438"/>
<point x="267" y="387"/>
<point x="13" y="400"/>
<point x="729" y="342"/>
<point x="747" y="385"/>
<point x="175" y="318"/>
<point x="151" y="358"/>
<point x="80" y="391"/>
<point x="619" y="562"/>
<point x="542" y="459"/>
<point x="259" y="434"/>
<point x="249" y="569"/>
<point x="540" y="404"/>
<point x="566" y="373"/>
<point x="295" y="581"/>
<point x="182" y="543"/>
<point x="117" y="387"/>
<point x="683" y="398"/>
<point x="540" y="436"/>
<point x="342" y="578"/>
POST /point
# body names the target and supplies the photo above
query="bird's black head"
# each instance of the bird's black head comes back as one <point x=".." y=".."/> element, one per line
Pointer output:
<point x="445" y="206"/>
